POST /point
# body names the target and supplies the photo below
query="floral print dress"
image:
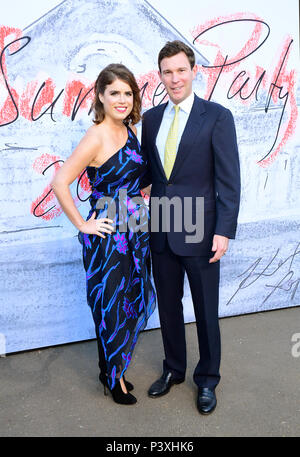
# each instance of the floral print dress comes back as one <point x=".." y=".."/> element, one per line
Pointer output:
<point x="119" y="289"/>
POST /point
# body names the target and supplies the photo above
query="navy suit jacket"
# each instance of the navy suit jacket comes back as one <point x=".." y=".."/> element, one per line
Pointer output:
<point x="206" y="165"/>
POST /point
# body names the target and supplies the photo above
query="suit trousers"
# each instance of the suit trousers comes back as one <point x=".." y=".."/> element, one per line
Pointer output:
<point x="168" y="274"/>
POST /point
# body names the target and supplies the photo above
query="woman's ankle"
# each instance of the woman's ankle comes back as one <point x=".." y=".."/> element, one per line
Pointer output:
<point x="123" y="386"/>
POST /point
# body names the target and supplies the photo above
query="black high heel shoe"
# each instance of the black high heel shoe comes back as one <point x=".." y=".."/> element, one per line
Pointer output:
<point x="103" y="380"/>
<point x="119" y="396"/>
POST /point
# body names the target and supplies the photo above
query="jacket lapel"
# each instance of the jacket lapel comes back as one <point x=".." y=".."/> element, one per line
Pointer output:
<point x="189" y="135"/>
<point x="155" y="124"/>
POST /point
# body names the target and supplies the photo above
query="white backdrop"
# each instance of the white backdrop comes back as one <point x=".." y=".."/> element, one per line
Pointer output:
<point x="247" y="60"/>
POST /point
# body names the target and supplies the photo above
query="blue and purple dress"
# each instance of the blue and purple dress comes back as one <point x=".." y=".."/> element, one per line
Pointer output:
<point x="119" y="289"/>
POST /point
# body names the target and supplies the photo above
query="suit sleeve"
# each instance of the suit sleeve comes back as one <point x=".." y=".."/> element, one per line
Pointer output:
<point x="227" y="174"/>
<point x="147" y="178"/>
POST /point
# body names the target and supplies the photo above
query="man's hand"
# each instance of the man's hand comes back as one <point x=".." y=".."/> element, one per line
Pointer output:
<point x="220" y="246"/>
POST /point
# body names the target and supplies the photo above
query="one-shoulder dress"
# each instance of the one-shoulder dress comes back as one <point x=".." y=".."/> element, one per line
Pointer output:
<point x="118" y="284"/>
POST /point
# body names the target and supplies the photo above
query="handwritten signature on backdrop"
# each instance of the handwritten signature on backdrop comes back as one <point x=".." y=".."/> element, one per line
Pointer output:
<point x="280" y="271"/>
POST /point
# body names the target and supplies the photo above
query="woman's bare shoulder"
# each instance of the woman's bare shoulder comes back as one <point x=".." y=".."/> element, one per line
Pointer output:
<point x="94" y="134"/>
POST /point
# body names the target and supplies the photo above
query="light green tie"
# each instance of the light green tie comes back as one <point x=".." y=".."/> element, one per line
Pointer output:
<point x="171" y="143"/>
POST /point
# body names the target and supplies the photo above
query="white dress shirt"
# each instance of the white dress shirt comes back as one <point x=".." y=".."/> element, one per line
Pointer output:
<point x="168" y="116"/>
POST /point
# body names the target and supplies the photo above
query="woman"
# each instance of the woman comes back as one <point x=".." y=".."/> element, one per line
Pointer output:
<point x="115" y="241"/>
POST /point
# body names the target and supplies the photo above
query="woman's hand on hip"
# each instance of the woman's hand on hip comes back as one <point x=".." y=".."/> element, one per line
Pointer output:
<point x="95" y="226"/>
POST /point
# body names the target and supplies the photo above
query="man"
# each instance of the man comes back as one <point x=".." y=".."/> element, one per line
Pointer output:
<point x="192" y="152"/>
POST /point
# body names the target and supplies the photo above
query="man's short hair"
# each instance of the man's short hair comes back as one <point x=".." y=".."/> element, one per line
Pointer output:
<point x="172" y="48"/>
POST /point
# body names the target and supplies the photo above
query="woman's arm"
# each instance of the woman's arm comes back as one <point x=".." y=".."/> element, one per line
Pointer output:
<point x="82" y="156"/>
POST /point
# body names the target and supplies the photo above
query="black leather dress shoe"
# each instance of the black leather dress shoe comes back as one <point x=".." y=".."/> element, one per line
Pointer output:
<point x="206" y="401"/>
<point x="163" y="385"/>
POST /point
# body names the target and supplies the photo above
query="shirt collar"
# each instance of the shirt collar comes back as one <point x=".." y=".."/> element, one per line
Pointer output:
<point x="185" y="105"/>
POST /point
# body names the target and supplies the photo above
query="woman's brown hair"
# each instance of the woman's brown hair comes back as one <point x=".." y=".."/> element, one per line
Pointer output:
<point x="107" y="76"/>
